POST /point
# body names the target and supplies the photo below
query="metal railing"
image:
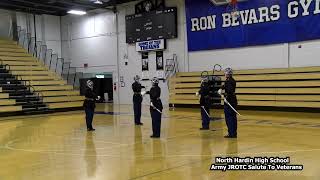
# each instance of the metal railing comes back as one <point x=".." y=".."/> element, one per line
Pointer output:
<point x="29" y="87"/>
<point x="171" y="68"/>
<point x="40" y="51"/>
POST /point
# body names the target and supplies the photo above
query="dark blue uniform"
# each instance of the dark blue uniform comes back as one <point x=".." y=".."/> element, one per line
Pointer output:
<point x="137" y="100"/>
<point x="89" y="105"/>
<point x="205" y="103"/>
<point x="155" y="93"/>
<point x="231" y="116"/>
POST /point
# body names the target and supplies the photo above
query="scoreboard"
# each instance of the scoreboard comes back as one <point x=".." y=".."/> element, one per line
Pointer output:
<point x="158" y="24"/>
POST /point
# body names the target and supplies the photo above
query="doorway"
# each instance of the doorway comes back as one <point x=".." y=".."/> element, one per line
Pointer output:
<point x="103" y="87"/>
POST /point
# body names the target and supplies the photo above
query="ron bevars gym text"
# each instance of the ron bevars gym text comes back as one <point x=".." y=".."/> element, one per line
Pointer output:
<point x="254" y="163"/>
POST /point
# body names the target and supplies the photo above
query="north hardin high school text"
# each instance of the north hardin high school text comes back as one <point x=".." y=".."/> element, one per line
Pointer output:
<point x="254" y="163"/>
<point x="247" y="160"/>
<point x="254" y="16"/>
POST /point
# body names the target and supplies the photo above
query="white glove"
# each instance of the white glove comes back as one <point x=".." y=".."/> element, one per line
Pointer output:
<point x="98" y="98"/>
<point x="220" y="91"/>
<point x="197" y="93"/>
<point x="143" y="93"/>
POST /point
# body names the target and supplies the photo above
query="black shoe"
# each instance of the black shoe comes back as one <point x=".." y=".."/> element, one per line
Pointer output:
<point x="91" y="129"/>
<point x="230" y="136"/>
<point x="139" y="124"/>
<point x="152" y="136"/>
<point x="202" y="129"/>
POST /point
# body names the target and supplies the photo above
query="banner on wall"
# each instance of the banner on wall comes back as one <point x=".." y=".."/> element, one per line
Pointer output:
<point x="159" y="65"/>
<point x="258" y="22"/>
<point x="145" y="65"/>
<point x="153" y="45"/>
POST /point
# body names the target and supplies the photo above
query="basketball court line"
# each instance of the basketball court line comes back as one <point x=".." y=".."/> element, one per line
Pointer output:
<point x="118" y="145"/>
<point x="209" y="156"/>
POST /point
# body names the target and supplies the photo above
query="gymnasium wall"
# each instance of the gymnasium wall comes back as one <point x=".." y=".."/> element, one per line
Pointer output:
<point x="5" y="23"/>
<point x="100" y="47"/>
<point x="92" y="40"/>
<point x="47" y="29"/>
<point x="128" y="53"/>
<point x="270" y="56"/>
<point x="98" y="39"/>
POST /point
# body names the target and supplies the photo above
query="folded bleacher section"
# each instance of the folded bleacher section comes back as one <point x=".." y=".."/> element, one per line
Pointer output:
<point x="286" y="87"/>
<point x="27" y="85"/>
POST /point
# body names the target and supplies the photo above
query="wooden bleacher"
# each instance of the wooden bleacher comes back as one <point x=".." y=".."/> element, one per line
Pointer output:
<point x="283" y="87"/>
<point x="7" y="104"/>
<point x="55" y="91"/>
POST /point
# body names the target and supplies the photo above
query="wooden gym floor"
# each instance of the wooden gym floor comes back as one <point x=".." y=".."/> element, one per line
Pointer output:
<point x="57" y="146"/>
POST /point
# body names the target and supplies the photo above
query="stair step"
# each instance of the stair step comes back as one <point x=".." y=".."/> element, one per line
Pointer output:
<point x="13" y="58"/>
<point x="59" y="93"/>
<point x="63" y="99"/>
<point x="26" y="68"/>
<point x="6" y="102"/>
<point x="4" y="96"/>
<point x="65" y="105"/>
<point x="53" y="88"/>
<point x="36" y="78"/>
<point x="28" y="72"/>
<point x="19" y="50"/>
<point x="10" y="108"/>
<point x="3" y="45"/>
<point x="53" y="82"/>
<point x="15" y="54"/>
<point x="22" y="63"/>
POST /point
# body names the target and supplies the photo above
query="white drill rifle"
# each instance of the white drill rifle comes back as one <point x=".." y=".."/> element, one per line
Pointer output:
<point x="226" y="101"/>
<point x="155" y="108"/>
<point x="205" y="111"/>
<point x="197" y="94"/>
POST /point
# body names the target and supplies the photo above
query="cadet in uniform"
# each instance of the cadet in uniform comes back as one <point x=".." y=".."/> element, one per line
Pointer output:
<point x="205" y="103"/>
<point x="230" y="95"/>
<point x="137" y="100"/>
<point x="155" y="108"/>
<point x="89" y="104"/>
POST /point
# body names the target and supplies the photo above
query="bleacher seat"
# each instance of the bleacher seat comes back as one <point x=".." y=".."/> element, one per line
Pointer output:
<point x="283" y="87"/>
<point x="54" y="91"/>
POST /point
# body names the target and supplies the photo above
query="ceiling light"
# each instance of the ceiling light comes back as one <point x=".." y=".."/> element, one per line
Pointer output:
<point x="77" y="12"/>
<point x="98" y="2"/>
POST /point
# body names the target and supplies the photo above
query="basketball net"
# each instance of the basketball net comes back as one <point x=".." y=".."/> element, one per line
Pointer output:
<point x="234" y="8"/>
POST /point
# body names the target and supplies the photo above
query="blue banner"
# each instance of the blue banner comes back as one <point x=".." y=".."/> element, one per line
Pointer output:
<point x="258" y="22"/>
<point x="152" y="45"/>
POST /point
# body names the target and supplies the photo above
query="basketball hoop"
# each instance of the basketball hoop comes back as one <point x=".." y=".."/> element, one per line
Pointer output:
<point x="233" y="2"/>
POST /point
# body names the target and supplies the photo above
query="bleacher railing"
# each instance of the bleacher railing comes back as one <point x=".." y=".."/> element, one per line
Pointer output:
<point x="171" y="68"/>
<point x="26" y="83"/>
<point x="40" y="51"/>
